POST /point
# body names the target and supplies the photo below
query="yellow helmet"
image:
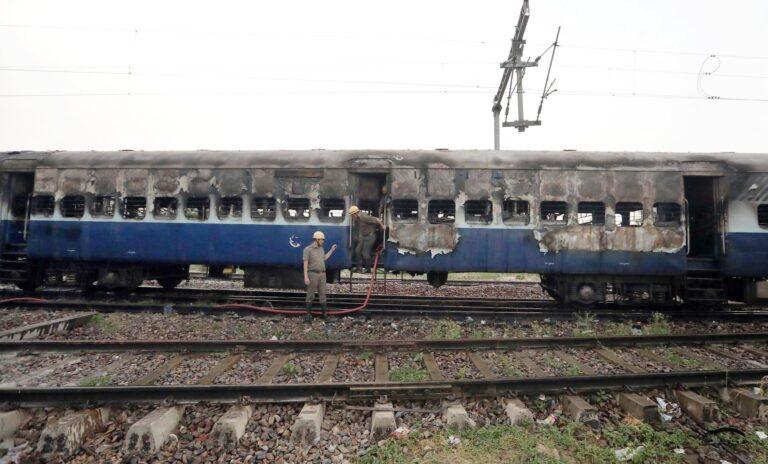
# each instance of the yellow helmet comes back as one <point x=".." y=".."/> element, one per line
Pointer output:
<point x="318" y="235"/>
<point x="354" y="210"/>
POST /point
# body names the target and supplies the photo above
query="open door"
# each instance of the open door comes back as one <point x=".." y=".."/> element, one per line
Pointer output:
<point x="704" y="217"/>
<point x="369" y="194"/>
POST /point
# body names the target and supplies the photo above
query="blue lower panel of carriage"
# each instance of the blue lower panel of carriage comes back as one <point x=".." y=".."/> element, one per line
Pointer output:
<point x="746" y="254"/>
<point x="490" y="250"/>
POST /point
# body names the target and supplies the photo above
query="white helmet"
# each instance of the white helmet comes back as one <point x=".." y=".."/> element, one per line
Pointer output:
<point x="318" y="235"/>
<point x="354" y="209"/>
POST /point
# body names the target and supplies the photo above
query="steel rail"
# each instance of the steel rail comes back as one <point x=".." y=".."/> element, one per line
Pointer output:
<point x="277" y="393"/>
<point x="379" y="345"/>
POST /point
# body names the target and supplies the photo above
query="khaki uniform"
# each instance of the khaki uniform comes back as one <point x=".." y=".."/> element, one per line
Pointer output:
<point x="315" y="258"/>
<point x="366" y="238"/>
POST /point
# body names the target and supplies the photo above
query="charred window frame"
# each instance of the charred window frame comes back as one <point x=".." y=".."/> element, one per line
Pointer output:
<point x="666" y="214"/>
<point x="166" y="207"/>
<point x="72" y="206"/>
<point x="405" y="210"/>
<point x="762" y="215"/>
<point x="197" y="208"/>
<point x="369" y="207"/>
<point x="332" y="209"/>
<point x="478" y="211"/>
<point x="554" y="212"/>
<point x="263" y="208"/>
<point x="590" y="213"/>
<point x="296" y="209"/>
<point x="516" y="212"/>
<point x="19" y="205"/>
<point x="43" y="205"/>
<point x="230" y="207"/>
<point x="103" y="206"/>
<point x="134" y="208"/>
<point x="629" y="214"/>
<point x="441" y="211"/>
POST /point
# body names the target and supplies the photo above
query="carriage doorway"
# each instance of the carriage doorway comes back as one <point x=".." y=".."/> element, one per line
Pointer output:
<point x="369" y="193"/>
<point x="703" y="216"/>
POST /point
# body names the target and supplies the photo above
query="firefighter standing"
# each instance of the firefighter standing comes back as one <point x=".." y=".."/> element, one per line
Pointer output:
<point x="366" y="236"/>
<point x="314" y="258"/>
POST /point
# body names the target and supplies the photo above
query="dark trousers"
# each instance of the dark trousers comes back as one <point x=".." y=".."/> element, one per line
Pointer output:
<point x="364" y="249"/>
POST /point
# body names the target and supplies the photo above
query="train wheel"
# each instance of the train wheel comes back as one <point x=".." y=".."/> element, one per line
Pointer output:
<point x="169" y="283"/>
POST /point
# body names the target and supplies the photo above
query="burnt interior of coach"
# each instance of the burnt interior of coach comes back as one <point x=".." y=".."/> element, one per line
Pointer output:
<point x="369" y="193"/>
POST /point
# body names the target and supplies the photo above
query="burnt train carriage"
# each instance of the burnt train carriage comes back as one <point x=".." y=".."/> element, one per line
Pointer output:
<point x="626" y="227"/>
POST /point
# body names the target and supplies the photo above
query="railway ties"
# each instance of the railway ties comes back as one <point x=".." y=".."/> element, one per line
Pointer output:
<point x="377" y="378"/>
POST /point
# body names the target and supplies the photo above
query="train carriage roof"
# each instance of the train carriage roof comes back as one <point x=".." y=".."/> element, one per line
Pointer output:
<point x="468" y="159"/>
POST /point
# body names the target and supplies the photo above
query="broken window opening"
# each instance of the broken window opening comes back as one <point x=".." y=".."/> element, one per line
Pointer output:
<point x="19" y="205"/>
<point x="666" y="214"/>
<point x="516" y="212"/>
<point x="43" y="205"/>
<point x="103" y="206"/>
<point x="230" y="207"/>
<point x="166" y="207"/>
<point x="197" y="208"/>
<point x="332" y="209"/>
<point x="629" y="214"/>
<point x="762" y="215"/>
<point x="134" y="208"/>
<point x="591" y="213"/>
<point x="554" y="212"/>
<point x="263" y="208"/>
<point x="478" y="211"/>
<point x="370" y="207"/>
<point x="405" y="210"/>
<point x="297" y="209"/>
<point x="72" y="206"/>
<point x="441" y="211"/>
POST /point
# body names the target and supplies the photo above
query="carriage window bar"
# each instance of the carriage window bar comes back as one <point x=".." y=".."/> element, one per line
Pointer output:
<point x="405" y="210"/>
<point x="554" y="212"/>
<point x="762" y="215"/>
<point x="666" y="214"/>
<point x="478" y="211"/>
<point x="441" y="211"/>
<point x="134" y="208"/>
<point x="370" y="207"/>
<point x="516" y="212"/>
<point x="103" y="206"/>
<point x="332" y="209"/>
<point x="263" y="208"/>
<point x="166" y="207"/>
<point x="230" y="207"/>
<point x="297" y="209"/>
<point x="72" y="206"/>
<point x="19" y="206"/>
<point x="591" y="213"/>
<point x="43" y="205"/>
<point x="629" y="214"/>
<point x="197" y="208"/>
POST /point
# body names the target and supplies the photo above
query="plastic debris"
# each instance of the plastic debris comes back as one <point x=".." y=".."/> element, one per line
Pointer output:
<point x="627" y="454"/>
<point x="679" y="451"/>
<point x="761" y="435"/>
<point x="274" y="337"/>
<point x="549" y="420"/>
<point x="667" y="409"/>
<point x="452" y="440"/>
<point x="400" y="433"/>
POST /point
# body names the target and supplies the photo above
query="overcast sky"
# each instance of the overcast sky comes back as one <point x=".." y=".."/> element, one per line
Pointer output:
<point x="172" y="75"/>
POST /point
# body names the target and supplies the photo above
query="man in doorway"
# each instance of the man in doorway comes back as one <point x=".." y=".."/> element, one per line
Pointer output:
<point x="314" y="258"/>
<point x="366" y="237"/>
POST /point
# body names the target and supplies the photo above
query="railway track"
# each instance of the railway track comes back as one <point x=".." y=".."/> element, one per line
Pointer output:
<point x="213" y="302"/>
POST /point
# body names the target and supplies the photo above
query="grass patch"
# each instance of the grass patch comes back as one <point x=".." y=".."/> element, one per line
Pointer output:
<point x="100" y="381"/>
<point x="585" y="324"/>
<point x="509" y="368"/>
<point x="289" y="369"/>
<point x="446" y="329"/>
<point x="366" y="355"/>
<point x="681" y="361"/>
<point x="540" y="330"/>
<point x="659" y="325"/>
<point x="106" y="323"/>
<point x="407" y="374"/>
<point x="616" y="329"/>
<point x="483" y="333"/>
<point x="506" y="444"/>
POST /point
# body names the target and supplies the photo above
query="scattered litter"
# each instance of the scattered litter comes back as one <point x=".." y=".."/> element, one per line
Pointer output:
<point x="452" y="440"/>
<point x="679" y="451"/>
<point x="723" y="461"/>
<point x="469" y="319"/>
<point x="667" y="409"/>
<point x="393" y="325"/>
<point x="761" y="435"/>
<point x="482" y="322"/>
<point x="274" y="337"/>
<point x="542" y="397"/>
<point x="400" y="433"/>
<point x="549" y="420"/>
<point x="627" y="454"/>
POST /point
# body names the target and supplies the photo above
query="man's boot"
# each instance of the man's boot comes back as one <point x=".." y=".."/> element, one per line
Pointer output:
<point x="308" y="316"/>
<point x="325" y="311"/>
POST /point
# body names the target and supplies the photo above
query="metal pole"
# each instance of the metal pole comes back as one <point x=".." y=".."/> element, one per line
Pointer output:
<point x="496" y="131"/>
